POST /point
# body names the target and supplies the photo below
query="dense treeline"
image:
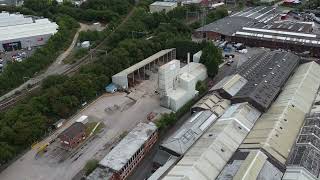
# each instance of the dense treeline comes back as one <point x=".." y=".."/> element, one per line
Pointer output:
<point x="61" y="96"/>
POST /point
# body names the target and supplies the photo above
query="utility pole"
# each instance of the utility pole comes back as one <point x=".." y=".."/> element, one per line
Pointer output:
<point x="203" y="20"/>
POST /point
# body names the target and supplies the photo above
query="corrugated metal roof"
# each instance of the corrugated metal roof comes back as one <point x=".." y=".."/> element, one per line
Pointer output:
<point x="128" y="146"/>
<point x="276" y="130"/>
<point x="188" y="133"/>
<point x="250" y="165"/>
<point x="144" y="62"/>
<point x="230" y="85"/>
<point x="212" y="102"/>
<point x="266" y="73"/>
<point x="207" y="157"/>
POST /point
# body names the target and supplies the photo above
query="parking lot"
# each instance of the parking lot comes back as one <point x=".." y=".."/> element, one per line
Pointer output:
<point x="14" y="56"/>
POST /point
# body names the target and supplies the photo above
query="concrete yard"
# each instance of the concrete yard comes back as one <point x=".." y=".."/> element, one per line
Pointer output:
<point x="118" y="112"/>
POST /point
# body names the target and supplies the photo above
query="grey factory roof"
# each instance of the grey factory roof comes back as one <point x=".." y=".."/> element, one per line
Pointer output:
<point x="279" y="36"/>
<point x="276" y="130"/>
<point x="213" y="102"/>
<point x="207" y="157"/>
<point x="249" y="165"/>
<point x="262" y="14"/>
<point x="266" y="73"/>
<point x="144" y="62"/>
<point x="230" y="85"/>
<point x="227" y="26"/>
<point x="128" y="146"/>
<point x="188" y="133"/>
<point x="291" y="26"/>
<point x="250" y="16"/>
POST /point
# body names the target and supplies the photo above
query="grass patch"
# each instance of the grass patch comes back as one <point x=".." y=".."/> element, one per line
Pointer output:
<point x="90" y="166"/>
<point x="91" y="125"/>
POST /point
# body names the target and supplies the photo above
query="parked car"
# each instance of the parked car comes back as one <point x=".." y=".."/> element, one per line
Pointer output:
<point x="230" y="62"/>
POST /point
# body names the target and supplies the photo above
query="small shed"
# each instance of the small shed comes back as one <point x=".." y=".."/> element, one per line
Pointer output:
<point x="73" y="135"/>
<point x="111" y="88"/>
<point x="85" y="44"/>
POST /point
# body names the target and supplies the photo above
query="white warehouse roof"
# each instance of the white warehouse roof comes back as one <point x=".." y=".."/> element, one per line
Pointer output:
<point x="162" y="3"/>
<point x="16" y="26"/>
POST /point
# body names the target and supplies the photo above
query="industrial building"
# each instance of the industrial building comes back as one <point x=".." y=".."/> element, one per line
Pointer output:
<point x="177" y="85"/>
<point x="275" y="132"/>
<point x="205" y="113"/>
<point x="18" y="31"/>
<point x="304" y="159"/>
<point x="138" y="72"/>
<point x="124" y="157"/>
<point x="189" y="133"/>
<point x="212" y="102"/>
<point x="207" y="157"/>
<point x="162" y="6"/>
<point x="266" y="74"/>
<point x="73" y="135"/>
<point x="250" y="165"/>
<point x="229" y="86"/>
<point x="263" y="27"/>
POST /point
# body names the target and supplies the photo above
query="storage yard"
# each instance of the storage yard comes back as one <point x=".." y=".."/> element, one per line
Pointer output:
<point x="118" y="112"/>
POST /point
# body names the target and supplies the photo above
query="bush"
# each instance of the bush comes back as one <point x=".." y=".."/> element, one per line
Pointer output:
<point x="80" y="53"/>
<point x="202" y="87"/>
<point x="166" y="120"/>
<point x="90" y="166"/>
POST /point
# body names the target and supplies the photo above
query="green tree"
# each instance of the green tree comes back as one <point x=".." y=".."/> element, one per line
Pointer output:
<point x="211" y="57"/>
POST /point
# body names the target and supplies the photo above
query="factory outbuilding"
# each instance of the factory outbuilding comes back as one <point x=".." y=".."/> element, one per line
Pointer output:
<point x="18" y="31"/>
<point x="177" y="85"/>
<point x="229" y="86"/>
<point x="275" y="132"/>
<point x="266" y="74"/>
<point x="124" y="157"/>
<point x="139" y="72"/>
<point x="73" y="135"/>
<point x="162" y="6"/>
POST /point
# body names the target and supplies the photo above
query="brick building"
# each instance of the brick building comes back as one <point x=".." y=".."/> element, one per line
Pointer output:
<point x="73" y="135"/>
<point x="124" y="157"/>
